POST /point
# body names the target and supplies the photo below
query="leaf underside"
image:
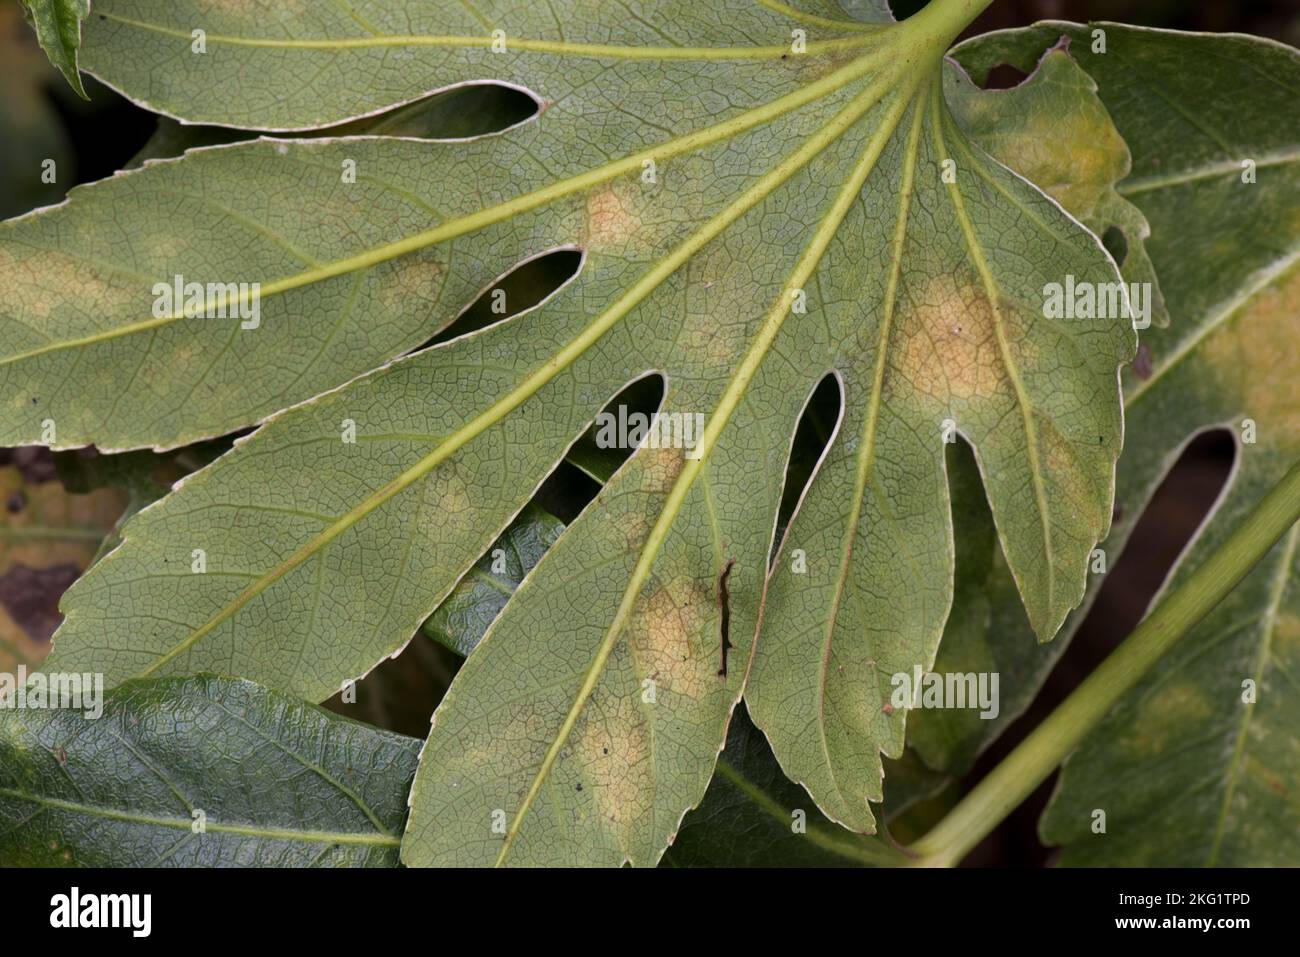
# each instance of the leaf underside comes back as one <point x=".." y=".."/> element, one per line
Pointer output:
<point x="199" y="772"/>
<point x="797" y="224"/>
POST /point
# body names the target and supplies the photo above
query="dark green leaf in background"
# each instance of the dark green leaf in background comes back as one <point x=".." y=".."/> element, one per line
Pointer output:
<point x="279" y="782"/>
<point x="753" y="816"/>
<point x="461" y="620"/>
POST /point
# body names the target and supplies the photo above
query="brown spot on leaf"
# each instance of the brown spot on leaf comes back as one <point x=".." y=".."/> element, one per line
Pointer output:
<point x="612" y="757"/>
<point x="947" y="345"/>
<point x="418" y="276"/>
<point x="662" y="467"/>
<point x="672" y="623"/>
<point x="610" y="221"/>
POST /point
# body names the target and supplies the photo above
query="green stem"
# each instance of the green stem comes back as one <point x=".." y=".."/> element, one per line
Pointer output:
<point x="939" y="22"/>
<point x="1025" y="768"/>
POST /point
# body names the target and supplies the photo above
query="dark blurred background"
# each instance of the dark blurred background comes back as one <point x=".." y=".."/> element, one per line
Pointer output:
<point x="41" y="118"/>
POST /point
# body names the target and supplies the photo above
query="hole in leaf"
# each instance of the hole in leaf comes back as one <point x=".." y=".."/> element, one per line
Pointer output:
<point x="476" y="109"/>
<point x="1116" y="244"/>
<point x="466" y="112"/>
<point x="1175" y="513"/>
<point x="400" y="693"/>
<point x="523" y="287"/>
<point x="813" y="434"/>
<point x="1004" y="76"/>
<point x="644" y="397"/>
<point x="902" y="9"/>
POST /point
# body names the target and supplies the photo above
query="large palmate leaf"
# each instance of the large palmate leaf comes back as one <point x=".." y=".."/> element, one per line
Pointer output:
<point x="1187" y="769"/>
<point x="199" y="771"/>
<point x="752" y="218"/>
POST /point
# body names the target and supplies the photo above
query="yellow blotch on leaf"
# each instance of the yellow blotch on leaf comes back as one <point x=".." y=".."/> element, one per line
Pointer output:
<point x="946" y="344"/>
<point x="1245" y="352"/>
<point x="672" y="625"/>
<point x="419" y="276"/>
<point x="610" y="221"/>
<point x="1172" y="713"/>
<point x="661" y="466"/>
<point x="612" y="756"/>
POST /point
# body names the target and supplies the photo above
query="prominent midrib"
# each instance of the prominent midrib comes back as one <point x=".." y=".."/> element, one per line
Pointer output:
<point x="505" y="405"/>
<point x="867" y="454"/>
<point x="1008" y="364"/>
<point x="1145" y="184"/>
<point x="560" y="47"/>
<point x="730" y="399"/>
<point x="462" y="225"/>
<point x="186" y="824"/>
<point x="812" y="19"/>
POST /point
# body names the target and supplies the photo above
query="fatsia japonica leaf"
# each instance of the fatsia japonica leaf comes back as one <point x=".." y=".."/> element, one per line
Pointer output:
<point x="752" y="218"/>
<point x="199" y="771"/>
<point x="366" y="275"/>
<point x="1196" y="766"/>
<point x="58" y="27"/>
